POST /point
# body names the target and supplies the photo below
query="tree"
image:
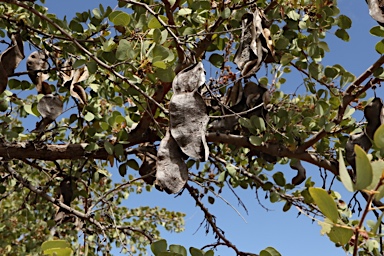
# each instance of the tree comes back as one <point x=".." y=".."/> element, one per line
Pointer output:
<point x="126" y="88"/>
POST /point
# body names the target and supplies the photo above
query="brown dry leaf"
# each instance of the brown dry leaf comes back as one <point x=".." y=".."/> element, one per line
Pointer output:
<point x="189" y="79"/>
<point x="171" y="170"/>
<point x="188" y="123"/>
<point x="10" y="59"/>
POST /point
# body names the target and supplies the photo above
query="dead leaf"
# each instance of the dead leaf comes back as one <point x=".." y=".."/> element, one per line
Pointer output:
<point x="171" y="170"/>
<point x="188" y="122"/>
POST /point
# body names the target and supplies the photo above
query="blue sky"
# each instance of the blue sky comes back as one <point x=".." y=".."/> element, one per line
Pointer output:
<point x="288" y="233"/>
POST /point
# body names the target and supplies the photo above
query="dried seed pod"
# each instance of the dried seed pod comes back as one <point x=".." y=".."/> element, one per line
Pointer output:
<point x="171" y="170"/>
<point x="50" y="107"/>
<point x="76" y="90"/>
<point x="37" y="62"/>
<point x="360" y="139"/>
<point x="10" y="59"/>
<point x="255" y="44"/>
<point x="376" y="10"/>
<point x="234" y="94"/>
<point x="189" y="79"/>
<point x="188" y="122"/>
<point x="301" y="173"/>
<point x="374" y="113"/>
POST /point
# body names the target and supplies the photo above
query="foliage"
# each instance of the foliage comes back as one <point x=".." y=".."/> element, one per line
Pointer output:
<point x="109" y="73"/>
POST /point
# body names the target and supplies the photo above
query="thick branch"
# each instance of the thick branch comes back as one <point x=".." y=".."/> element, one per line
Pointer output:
<point x="274" y="149"/>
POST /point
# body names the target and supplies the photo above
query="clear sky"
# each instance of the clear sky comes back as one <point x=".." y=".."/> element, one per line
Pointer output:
<point x="288" y="233"/>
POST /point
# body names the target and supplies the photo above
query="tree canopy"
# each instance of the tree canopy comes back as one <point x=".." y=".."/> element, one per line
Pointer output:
<point x="187" y="97"/>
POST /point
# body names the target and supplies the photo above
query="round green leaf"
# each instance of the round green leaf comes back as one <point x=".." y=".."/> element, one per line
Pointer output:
<point x="195" y="252"/>
<point x="340" y="235"/>
<point x="108" y="147"/>
<point x="269" y="251"/>
<point x="119" y="18"/>
<point x="178" y="249"/>
<point x="255" y="140"/>
<point x="325" y="203"/>
<point x="377" y="31"/>
<point x="216" y="59"/>
<point x="159" y="246"/>
<point x="344" y="22"/>
<point x="55" y="244"/>
<point x="379" y="47"/>
<point x="342" y="34"/>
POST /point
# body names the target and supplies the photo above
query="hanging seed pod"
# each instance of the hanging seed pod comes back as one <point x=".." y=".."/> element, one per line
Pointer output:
<point x="171" y="170"/>
<point x="50" y="107"/>
<point x="376" y="10"/>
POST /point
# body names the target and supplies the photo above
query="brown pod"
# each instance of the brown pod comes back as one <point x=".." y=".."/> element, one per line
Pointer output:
<point x="171" y="170"/>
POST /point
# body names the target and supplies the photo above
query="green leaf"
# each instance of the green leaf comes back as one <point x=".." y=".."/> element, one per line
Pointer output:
<point x="226" y="13"/>
<point x="133" y="164"/>
<point x="178" y="249"/>
<point x="378" y="138"/>
<point x="269" y="251"/>
<point x="159" y="64"/>
<point x="377" y="170"/>
<point x="377" y="224"/>
<point x="217" y="60"/>
<point x="286" y="58"/>
<point x="255" y="140"/>
<point x="155" y="23"/>
<point x="55" y="244"/>
<point x="279" y="179"/>
<point x="342" y="34"/>
<point x="377" y="31"/>
<point x="58" y="252"/>
<point x="195" y="252"/>
<point x="258" y="123"/>
<point x="344" y="22"/>
<point x="379" y="47"/>
<point x="294" y="15"/>
<point x="89" y="116"/>
<point x="231" y="170"/>
<point x="108" y="147"/>
<point x="119" y="18"/>
<point x="344" y="175"/>
<point x="184" y="11"/>
<point x="125" y="50"/>
<point x="340" y="235"/>
<point x="159" y="246"/>
<point x="364" y="172"/>
<point x="330" y="72"/>
<point x="222" y="176"/>
<point x="325" y="203"/>
<point x="123" y="170"/>
<point x="209" y="253"/>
